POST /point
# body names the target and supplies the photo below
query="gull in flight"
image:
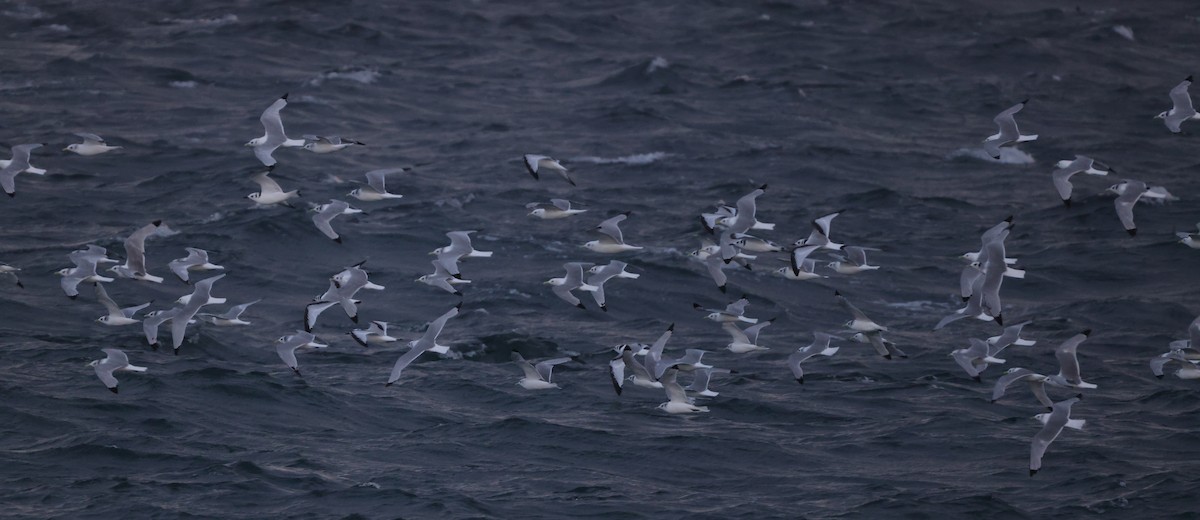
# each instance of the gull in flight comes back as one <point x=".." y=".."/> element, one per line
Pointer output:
<point x="860" y="321"/>
<point x="882" y="345"/>
<point x="1037" y="384"/>
<point x="613" y="241"/>
<point x="92" y="145"/>
<point x="601" y="274"/>
<point x="1010" y="336"/>
<point x="735" y="311"/>
<point x="116" y="315"/>
<point x="1191" y="240"/>
<point x="1053" y="424"/>
<point x="1187" y="369"/>
<point x="9" y="270"/>
<point x="756" y="245"/>
<point x="745" y="218"/>
<point x="1081" y="164"/>
<point x="114" y="360"/>
<point x="327" y="143"/>
<point x="534" y="163"/>
<point x="1068" y="364"/>
<point x="332" y="296"/>
<point x="442" y="279"/>
<point x="573" y="279"/>
<point x="376" y="189"/>
<point x="286" y="347"/>
<point x="273" y="136"/>
<point x="638" y="373"/>
<point x="424" y="343"/>
<point x="820" y="234"/>
<point x="1130" y="191"/>
<point x="1181" y="109"/>
<point x="820" y="345"/>
<point x="677" y="399"/>
<point x="270" y="193"/>
<point x="802" y="267"/>
<point x="556" y="209"/>
<point x="196" y="260"/>
<point x="84" y="271"/>
<point x="325" y="213"/>
<point x="745" y="340"/>
<point x="537" y="377"/>
<point x="229" y="318"/>
<point x="152" y="320"/>
<point x="135" y="252"/>
<point x="375" y="333"/>
<point x="975" y="359"/>
<point x="701" y="379"/>
<point x="1009" y="134"/>
<point x="201" y="296"/>
<point x="18" y="164"/>
<point x="460" y="248"/>
<point x="854" y="262"/>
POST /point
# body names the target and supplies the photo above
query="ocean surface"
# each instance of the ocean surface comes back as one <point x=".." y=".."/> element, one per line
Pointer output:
<point x="665" y="108"/>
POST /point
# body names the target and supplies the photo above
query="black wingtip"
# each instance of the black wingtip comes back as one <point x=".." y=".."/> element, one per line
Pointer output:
<point x="965" y="298"/>
<point x="887" y="356"/>
<point x="1132" y="232"/>
<point x="1009" y="219"/>
<point x="1160" y="377"/>
<point x="354" y="318"/>
<point x="176" y="351"/>
<point x="72" y="297"/>
<point x="338" y="240"/>
<point x="458" y="293"/>
<point x="357" y="340"/>
<point x="1086" y="332"/>
<point x="284" y="96"/>
<point x="671" y="328"/>
<point x="457" y="275"/>
<point x="1067" y="202"/>
<point x="627" y="213"/>
<point x="993" y="401"/>
<point x="836" y="292"/>
<point x="604" y="308"/>
<point x="1079" y="396"/>
<point x="12" y="194"/>
<point x="977" y="379"/>
<point x="722" y="288"/>
<point x="113" y="389"/>
<point x="1033" y="472"/>
<point x="800" y="380"/>
<point x="763" y="187"/>
<point x="154" y="346"/>
<point x="458" y="306"/>
<point x="1000" y="320"/>
<point x="580" y="305"/>
<point x="21" y="285"/>
<point x="694" y="306"/>
<point x="387" y="384"/>
<point x="1026" y="101"/>
<point x="1189" y="78"/>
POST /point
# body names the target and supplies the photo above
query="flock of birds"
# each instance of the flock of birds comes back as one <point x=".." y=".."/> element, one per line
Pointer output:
<point x="734" y="245"/>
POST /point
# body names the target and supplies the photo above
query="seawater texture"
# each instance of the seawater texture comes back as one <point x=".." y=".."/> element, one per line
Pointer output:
<point x="659" y="108"/>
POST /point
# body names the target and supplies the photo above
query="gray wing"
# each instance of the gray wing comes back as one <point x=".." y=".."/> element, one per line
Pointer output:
<point x="266" y="184"/>
<point x="272" y="124"/>
<point x="616" y="373"/>
<point x="878" y="343"/>
<point x="313" y="310"/>
<point x="234" y="312"/>
<point x="150" y="324"/>
<point x="135" y="248"/>
<point x="713" y="263"/>
<point x="856" y="254"/>
<point x="737" y="308"/>
<point x="753" y="330"/>
<point x="460" y="242"/>
<point x="654" y="355"/>
<point x="737" y="335"/>
<point x="323" y="218"/>
<point x="611" y="227"/>
<point x="102" y="297"/>
<point x="90" y="138"/>
<point x="562" y="291"/>
<point x="530" y="373"/>
<point x="1007" y="379"/>
<point x="1067" y="361"/>
<point x="180" y="266"/>
<point x="1126" y="201"/>
<point x="675" y="392"/>
<point x="1062" y="181"/>
<point x="8" y="178"/>
<point x="1181" y="99"/>
<point x="562" y="204"/>
<point x="799" y="255"/>
<point x="606" y="273"/>
<point x="287" y="349"/>
<point x="531" y="163"/>
<point x="376" y="178"/>
<point x="574" y="276"/>
<point x="1008" y="124"/>
<point x="404" y="361"/>
<point x="638" y="370"/>
<point x="842" y="301"/>
<point x="1194" y="334"/>
<point x="435" y="328"/>
<point x="20" y="157"/>
<point x="1011" y="333"/>
<point x="966" y="282"/>
<point x="545" y="368"/>
<point x="264" y="154"/>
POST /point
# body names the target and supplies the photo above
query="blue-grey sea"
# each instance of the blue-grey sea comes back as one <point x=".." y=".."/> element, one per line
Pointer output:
<point x="663" y="108"/>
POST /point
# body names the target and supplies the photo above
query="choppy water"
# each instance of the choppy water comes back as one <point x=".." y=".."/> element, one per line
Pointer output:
<point x="662" y="109"/>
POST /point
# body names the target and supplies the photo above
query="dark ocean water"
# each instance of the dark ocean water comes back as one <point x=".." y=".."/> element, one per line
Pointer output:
<point x="659" y="108"/>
